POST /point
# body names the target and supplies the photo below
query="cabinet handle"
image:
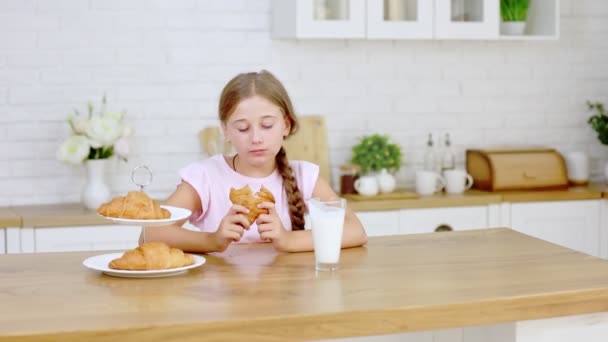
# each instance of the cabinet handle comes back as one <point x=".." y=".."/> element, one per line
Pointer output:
<point x="444" y="228"/>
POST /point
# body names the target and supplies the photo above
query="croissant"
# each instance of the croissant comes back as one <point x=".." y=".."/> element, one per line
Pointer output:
<point x="244" y="196"/>
<point x="136" y="205"/>
<point x="152" y="256"/>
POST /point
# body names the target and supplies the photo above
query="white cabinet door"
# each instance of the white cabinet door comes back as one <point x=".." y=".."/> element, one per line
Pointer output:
<point x="429" y="220"/>
<point x="89" y="238"/>
<point x="604" y="229"/>
<point x="467" y="19"/>
<point x="2" y="240"/>
<point x="572" y="224"/>
<point x="318" y="18"/>
<point x="399" y="19"/>
<point x="380" y="223"/>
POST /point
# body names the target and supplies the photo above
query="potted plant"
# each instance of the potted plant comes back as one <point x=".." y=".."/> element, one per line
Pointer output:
<point x="514" y="14"/>
<point x="375" y="153"/>
<point x="599" y="123"/>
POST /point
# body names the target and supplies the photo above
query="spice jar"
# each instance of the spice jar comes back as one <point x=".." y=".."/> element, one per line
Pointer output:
<point x="348" y="174"/>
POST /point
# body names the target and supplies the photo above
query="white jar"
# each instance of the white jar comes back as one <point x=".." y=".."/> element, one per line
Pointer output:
<point x="386" y="181"/>
<point x="577" y="164"/>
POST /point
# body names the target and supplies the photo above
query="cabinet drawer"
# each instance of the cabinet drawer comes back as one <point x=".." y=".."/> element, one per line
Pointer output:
<point x="572" y="224"/>
<point x="2" y="240"/>
<point x="427" y="220"/>
<point x="379" y="223"/>
<point x="89" y="238"/>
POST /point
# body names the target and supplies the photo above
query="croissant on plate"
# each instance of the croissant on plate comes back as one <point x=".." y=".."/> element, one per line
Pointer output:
<point x="245" y="197"/>
<point x="136" y="205"/>
<point x="152" y="256"/>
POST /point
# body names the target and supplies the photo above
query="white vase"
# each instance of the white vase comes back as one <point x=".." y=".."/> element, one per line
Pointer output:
<point x="95" y="191"/>
<point x="386" y="181"/>
<point x="512" y="28"/>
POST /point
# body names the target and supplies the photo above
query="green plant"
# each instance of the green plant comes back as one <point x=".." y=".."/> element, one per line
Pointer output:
<point x="375" y="153"/>
<point x="514" y="10"/>
<point x="599" y="121"/>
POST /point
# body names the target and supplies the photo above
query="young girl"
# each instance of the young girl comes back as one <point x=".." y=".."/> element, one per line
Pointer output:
<point x="256" y="114"/>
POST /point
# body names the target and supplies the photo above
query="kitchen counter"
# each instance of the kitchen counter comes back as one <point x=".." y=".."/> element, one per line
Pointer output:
<point x="9" y="218"/>
<point x="74" y="214"/>
<point x="58" y="215"/>
<point x="394" y="284"/>
<point x="477" y="197"/>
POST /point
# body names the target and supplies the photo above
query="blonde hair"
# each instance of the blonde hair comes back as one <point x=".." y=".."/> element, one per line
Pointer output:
<point x="264" y="84"/>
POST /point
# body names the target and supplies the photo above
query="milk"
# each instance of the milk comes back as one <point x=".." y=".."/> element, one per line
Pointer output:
<point x="327" y="227"/>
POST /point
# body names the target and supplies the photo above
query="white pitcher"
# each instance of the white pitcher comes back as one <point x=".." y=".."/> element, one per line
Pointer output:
<point x="367" y="185"/>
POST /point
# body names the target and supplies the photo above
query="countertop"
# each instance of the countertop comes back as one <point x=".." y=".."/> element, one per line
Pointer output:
<point x="9" y="218"/>
<point x="74" y="214"/>
<point x="251" y="292"/>
<point x="477" y="197"/>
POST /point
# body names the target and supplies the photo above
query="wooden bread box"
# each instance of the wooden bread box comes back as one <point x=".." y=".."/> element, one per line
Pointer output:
<point x="517" y="169"/>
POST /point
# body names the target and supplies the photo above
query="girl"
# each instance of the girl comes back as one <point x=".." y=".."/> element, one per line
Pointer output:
<point x="256" y="114"/>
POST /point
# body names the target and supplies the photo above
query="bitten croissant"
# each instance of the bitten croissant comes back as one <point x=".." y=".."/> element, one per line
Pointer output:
<point x="152" y="256"/>
<point x="245" y="197"/>
<point x="136" y="205"/>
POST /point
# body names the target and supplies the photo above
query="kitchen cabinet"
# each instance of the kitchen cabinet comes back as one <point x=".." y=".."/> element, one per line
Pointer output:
<point x="2" y="240"/>
<point x="467" y="19"/>
<point x="406" y="19"/>
<point x="318" y="18"/>
<point x="86" y="238"/>
<point x="604" y="229"/>
<point x="428" y="220"/>
<point x="399" y="19"/>
<point x="572" y="224"/>
<point x="380" y="223"/>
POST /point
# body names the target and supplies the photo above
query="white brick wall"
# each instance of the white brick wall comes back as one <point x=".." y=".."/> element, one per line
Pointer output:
<point x="165" y="62"/>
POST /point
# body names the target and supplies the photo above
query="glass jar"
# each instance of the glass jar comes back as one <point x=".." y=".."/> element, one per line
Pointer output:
<point x="348" y="174"/>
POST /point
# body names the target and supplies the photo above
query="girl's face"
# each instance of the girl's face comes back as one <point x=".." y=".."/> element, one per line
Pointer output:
<point x="256" y="129"/>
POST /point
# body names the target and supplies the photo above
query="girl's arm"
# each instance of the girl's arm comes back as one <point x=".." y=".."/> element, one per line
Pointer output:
<point x="174" y="235"/>
<point x="353" y="235"/>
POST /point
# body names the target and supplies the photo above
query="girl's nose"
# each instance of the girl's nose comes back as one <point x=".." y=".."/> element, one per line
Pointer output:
<point x="256" y="135"/>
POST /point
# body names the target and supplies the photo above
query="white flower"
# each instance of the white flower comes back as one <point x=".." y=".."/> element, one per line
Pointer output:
<point x="115" y="116"/>
<point x="74" y="149"/>
<point x="79" y="124"/>
<point x="127" y="130"/>
<point x="121" y="148"/>
<point x="94" y="143"/>
<point x="104" y="130"/>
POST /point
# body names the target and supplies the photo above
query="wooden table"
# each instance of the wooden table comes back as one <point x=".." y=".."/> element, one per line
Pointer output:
<point x="252" y="293"/>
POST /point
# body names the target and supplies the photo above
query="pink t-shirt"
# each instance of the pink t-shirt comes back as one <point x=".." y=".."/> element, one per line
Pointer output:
<point x="212" y="179"/>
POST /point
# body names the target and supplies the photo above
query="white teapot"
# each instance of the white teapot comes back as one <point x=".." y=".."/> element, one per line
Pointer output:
<point x="367" y="185"/>
<point x="386" y="181"/>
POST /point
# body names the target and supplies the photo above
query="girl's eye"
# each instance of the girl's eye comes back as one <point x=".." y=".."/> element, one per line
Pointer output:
<point x="267" y="126"/>
<point x="242" y="129"/>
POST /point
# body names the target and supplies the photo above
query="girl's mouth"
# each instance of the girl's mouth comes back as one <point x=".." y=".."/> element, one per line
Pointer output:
<point x="257" y="152"/>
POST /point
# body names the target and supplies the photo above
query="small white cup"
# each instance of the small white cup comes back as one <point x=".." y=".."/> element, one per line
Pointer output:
<point x="428" y="182"/>
<point x="327" y="221"/>
<point x="457" y="181"/>
<point x="577" y="164"/>
<point x="367" y="185"/>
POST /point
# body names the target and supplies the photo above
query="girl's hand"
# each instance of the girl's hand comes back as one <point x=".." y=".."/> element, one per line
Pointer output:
<point x="232" y="227"/>
<point x="271" y="228"/>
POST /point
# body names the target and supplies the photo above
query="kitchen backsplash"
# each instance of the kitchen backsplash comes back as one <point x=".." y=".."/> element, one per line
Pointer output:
<point x="165" y="63"/>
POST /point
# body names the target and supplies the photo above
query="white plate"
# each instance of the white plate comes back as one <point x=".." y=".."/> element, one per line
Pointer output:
<point x="100" y="263"/>
<point x="176" y="215"/>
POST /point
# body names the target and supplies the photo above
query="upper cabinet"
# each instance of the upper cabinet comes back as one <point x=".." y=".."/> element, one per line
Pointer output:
<point x="319" y="18"/>
<point x="408" y="19"/>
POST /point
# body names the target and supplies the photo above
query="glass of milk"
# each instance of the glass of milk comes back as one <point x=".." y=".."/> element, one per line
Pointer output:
<point x="327" y="224"/>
